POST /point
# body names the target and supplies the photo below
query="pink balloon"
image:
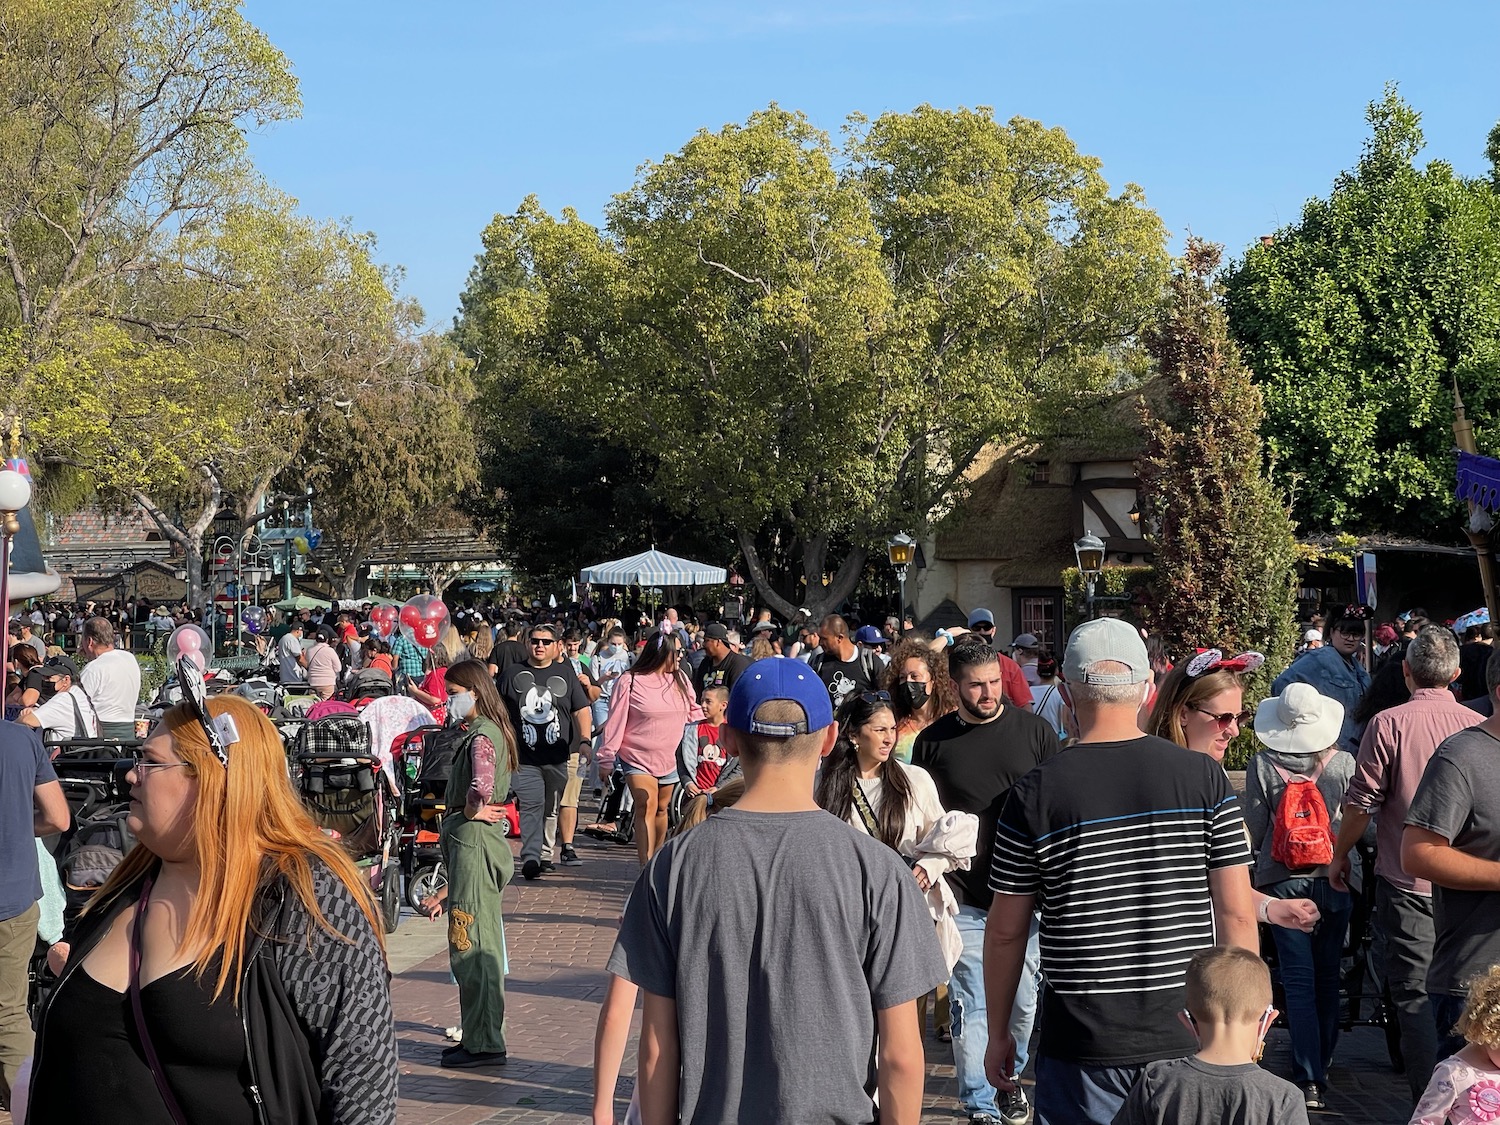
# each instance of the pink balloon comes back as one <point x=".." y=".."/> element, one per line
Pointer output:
<point x="188" y="640"/>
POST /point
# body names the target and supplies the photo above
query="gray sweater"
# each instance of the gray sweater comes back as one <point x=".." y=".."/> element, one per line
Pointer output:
<point x="1263" y="789"/>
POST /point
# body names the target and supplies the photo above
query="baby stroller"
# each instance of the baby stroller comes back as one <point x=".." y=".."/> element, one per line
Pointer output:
<point x="352" y="799"/>
<point x="365" y="685"/>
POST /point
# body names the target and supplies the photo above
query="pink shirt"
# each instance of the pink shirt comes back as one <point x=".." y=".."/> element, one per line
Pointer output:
<point x="647" y="715"/>
<point x="1393" y="754"/>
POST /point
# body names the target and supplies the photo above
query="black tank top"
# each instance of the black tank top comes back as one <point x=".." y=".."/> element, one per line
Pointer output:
<point x="93" y="1068"/>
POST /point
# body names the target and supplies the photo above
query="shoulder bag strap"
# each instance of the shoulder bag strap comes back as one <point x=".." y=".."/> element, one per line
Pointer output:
<point x="866" y="813"/>
<point x="147" y="1047"/>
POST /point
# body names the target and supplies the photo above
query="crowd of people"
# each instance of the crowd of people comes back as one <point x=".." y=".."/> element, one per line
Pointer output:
<point x="1027" y="850"/>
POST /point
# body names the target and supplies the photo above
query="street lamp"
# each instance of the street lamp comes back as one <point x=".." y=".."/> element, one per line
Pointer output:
<point x="1090" y="554"/>
<point x="15" y="494"/>
<point x="900" y="549"/>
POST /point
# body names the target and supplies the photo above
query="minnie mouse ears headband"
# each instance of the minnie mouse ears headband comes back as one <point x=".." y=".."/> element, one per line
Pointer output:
<point x="1212" y="660"/>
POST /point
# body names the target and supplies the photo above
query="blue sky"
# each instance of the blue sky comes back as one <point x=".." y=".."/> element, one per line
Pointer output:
<point x="422" y="121"/>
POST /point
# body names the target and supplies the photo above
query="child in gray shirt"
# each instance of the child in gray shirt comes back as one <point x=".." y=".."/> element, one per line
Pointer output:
<point x="1229" y="1012"/>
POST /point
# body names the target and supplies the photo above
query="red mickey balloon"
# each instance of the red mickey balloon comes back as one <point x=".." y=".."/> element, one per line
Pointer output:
<point x="423" y="620"/>
<point x="383" y="619"/>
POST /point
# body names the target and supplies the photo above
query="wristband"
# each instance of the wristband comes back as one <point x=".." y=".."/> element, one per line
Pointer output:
<point x="1265" y="911"/>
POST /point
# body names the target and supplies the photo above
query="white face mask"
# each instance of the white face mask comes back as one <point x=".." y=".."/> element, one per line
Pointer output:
<point x="460" y="706"/>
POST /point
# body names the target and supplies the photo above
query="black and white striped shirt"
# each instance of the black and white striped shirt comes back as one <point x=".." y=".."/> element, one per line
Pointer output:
<point x="1116" y="841"/>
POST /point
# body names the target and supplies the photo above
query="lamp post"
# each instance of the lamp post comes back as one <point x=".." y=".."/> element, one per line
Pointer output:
<point x="1090" y="554"/>
<point x="15" y="494"/>
<point x="900" y="549"/>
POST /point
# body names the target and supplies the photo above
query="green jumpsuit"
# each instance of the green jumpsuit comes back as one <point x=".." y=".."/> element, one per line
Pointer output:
<point x="479" y="863"/>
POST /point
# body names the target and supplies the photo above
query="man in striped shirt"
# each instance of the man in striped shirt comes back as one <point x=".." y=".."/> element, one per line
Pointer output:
<point x="1134" y="852"/>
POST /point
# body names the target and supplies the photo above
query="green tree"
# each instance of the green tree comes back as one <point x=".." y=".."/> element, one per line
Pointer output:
<point x="1357" y="320"/>
<point x="400" y="452"/>
<point x="1225" y="547"/>
<point x="814" y="345"/>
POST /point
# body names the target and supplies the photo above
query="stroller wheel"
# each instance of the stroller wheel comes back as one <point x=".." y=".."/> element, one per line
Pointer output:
<point x="390" y="896"/>
<point x="425" y="881"/>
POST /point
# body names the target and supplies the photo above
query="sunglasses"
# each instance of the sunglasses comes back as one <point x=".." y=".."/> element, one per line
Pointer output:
<point x="982" y="627"/>
<point x="541" y="642"/>
<point x="221" y="731"/>
<point x="875" y="696"/>
<point x="1243" y="718"/>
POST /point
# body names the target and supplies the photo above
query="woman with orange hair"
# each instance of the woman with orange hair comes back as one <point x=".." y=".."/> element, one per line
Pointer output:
<point x="230" y="970"/>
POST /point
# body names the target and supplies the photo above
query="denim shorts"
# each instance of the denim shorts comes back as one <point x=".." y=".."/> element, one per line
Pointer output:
<point x="662" y="779"/>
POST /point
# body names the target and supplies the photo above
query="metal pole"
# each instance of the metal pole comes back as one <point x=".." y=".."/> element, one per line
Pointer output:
<point x="5" y="534"/>
<point x="901" y="579"/>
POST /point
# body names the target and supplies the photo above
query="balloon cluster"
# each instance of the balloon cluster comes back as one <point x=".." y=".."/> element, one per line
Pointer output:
<point x="383" y="619"/>
<point x="254" y="617"/>
<point x="189" y="641"/>
<point x="423" y="620"/>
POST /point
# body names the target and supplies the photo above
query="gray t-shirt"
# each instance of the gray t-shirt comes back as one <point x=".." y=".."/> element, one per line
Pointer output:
<point x="780" y="935"/>
<point x="1178" y="1090"/>
<point x="1459" y="799"/>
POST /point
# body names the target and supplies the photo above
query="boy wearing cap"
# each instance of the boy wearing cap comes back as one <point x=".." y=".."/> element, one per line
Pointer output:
<point x="764" y="993"/>
<point x="1140" y="846"/>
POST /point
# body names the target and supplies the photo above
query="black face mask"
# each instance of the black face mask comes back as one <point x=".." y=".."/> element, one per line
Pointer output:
<point x="914" y="695"/>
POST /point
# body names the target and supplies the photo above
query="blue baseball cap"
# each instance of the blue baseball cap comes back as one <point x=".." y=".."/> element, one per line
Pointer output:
<point x="869" y="635"/>
<point x="779" y="677"/>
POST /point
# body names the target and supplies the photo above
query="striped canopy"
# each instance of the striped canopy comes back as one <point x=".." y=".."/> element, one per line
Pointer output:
<point x="652" y="568"/>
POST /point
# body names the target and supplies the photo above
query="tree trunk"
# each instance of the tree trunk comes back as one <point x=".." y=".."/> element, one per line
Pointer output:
<point x="820" y="599"/>
<point x="189" y="538"/>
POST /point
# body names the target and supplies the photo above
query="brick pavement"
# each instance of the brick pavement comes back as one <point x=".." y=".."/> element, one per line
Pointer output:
<point x="560" y="930"/>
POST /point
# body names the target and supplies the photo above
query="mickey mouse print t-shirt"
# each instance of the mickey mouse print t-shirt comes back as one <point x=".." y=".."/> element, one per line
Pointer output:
<point x="542" y="702"/>
<point x="844" y="678"/>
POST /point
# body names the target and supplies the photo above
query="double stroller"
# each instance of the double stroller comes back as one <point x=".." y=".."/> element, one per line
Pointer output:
<point x="352" y="799"/>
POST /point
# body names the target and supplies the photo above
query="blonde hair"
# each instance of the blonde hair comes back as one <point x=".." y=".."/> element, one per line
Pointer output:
<point x="1177" y="692"/>
<point x="1226" y="984"/>
<point x="697" y="810"/>
<point x="248" y="821"/>
<point x="1480" y="1022"/>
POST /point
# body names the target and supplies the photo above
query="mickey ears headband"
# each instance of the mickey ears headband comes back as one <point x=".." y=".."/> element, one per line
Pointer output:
<point x="1356" y="612"/>
<point x="1212" y="660"/>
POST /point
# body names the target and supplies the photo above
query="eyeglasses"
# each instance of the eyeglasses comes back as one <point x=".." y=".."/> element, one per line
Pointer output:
<point x="1242" y="719"/>
<point x="143" y="767"/>
<point x="222" y="733"/>
<point x="875" y="696"/>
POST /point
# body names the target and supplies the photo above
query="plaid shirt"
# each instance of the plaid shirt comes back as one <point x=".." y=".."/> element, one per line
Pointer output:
<point x="408" y="656"/>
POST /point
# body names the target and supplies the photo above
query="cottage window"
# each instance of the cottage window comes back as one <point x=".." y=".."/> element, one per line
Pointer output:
<point x="1041" y="472"/>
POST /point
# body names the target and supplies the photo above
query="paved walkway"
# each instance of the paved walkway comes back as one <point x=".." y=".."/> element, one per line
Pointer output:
<point x="560" y="931"/>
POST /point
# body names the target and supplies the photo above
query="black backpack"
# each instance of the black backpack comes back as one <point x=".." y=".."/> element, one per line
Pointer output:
<point x="439" y="749"/>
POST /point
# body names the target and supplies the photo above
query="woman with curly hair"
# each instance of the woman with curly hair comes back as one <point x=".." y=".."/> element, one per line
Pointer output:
<point x="921" y="691"/>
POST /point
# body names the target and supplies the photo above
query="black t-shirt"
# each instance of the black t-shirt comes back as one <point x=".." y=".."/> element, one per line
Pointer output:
<point x="507" y="654"/>
<point x="710" y="674"/>
<point x="542" y="702"/>
<point x="1116" y="841"/>
<point x="845" y="677"/>
<point x="973" y="767"/>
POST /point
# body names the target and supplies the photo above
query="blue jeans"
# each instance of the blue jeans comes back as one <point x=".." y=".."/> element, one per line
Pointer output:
<point x="1071" y="1093"/>
<point x="970" y="1018"/>
<point x="1446" y="1010"/>
<point x="1310" y="975"/>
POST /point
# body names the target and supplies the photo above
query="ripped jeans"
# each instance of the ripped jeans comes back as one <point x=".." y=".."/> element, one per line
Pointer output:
<point x="971" y="1029"/>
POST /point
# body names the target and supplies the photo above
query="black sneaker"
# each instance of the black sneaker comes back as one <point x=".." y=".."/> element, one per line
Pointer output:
<point x="570" y="857"/>
<point x="1312" y="1096"/>
<point x="548" y="865"/>
<point x="1014" y="1109"/>
<point x="463" y="1059"/>
<point x="531" y="869"/>
<point x="982" y="1119"/>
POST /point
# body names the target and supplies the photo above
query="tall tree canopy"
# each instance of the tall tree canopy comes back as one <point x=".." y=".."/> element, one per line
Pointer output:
<point x="813" y="344"/>
<point x="1225" y="549"/>
<point x="1357" y="319"/>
